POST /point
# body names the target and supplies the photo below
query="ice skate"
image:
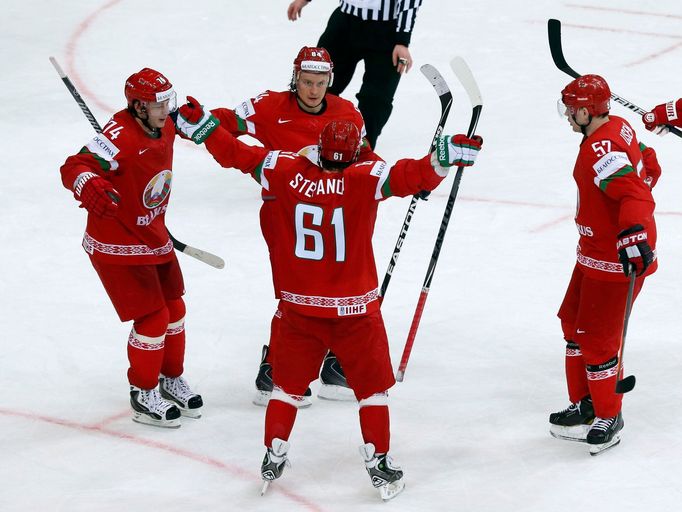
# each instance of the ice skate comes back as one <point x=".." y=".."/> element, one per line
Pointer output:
<point x="274" y="462"/>
<point x="605" y="433"/>
<point x="333" y="381"/>
<point x="178" y="391"/>
<point x="264" y="384"/>
<point x="573" y="423"/>
<point x="150" y="408"/>
<point x="385" y="476"/>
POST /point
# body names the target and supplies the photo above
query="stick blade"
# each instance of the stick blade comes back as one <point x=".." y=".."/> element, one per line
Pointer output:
<point x="554" y="36"/>
<point x="461" y="69"/>
<point x="626" y="385"/>
<point x="205" y="257"/>
<point x="435" y="78"/>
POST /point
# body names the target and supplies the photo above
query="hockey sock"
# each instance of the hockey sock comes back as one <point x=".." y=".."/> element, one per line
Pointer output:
<point x="602" y="381"/>
<point x="145" y="349"/>
<point x="375" y="422"/>
<point x="174" y="351"/>
<point x="279" y="420"/>
<point x="274" y="335"/>
<point x="576" y="379"/>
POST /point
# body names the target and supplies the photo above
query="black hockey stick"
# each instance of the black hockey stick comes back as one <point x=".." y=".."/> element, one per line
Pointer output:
<point x="554" y="33"/>
<point x="464" y="75"/>
<point x="445" y="97"/>
<point x="206" y="257"/>
<point x="628" y="383"/>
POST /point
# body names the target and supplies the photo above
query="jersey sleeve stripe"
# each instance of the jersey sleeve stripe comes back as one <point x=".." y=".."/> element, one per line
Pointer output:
<point x="602" y="184"/>
<point x="103" y="164"/>
<point x="381" y="171"/>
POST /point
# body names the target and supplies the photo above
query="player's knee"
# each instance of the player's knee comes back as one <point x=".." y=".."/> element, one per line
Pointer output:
<point x="153" y="324"/>
<point x="176" y="310"/>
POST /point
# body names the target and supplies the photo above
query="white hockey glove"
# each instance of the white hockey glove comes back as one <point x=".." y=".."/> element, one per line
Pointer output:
<point x="193" y="122"/>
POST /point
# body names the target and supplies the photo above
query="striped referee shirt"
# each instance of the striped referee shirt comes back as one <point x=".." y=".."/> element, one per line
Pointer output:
<point x="404" y="12"/>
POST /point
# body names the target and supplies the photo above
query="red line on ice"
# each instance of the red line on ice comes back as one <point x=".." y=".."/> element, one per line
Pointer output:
<point x="150" y="443"/>
<point x="625" y="11"/>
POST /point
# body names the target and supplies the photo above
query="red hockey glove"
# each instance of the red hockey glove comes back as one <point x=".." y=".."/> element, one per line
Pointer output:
<point x="651" y="166"/>
<point x="96" y="195"/>
<point x="660" y="115"/>
<point x="193" y="122"/>
<point x="633" y="249"/>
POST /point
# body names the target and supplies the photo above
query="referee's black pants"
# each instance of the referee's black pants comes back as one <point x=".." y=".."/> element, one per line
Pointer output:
<point x="349" y="39"/>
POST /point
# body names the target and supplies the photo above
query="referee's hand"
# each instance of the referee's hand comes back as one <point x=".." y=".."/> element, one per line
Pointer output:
<point x="402" y="60"/>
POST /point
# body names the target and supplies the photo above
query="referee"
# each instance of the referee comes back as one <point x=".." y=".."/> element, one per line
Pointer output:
<point x="377" y="32"/>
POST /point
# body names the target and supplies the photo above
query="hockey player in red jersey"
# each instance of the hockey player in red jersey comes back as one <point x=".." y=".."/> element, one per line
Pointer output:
<point x="669" y="113"/>
<point x="292" y="121"/>
<point x="615" y="220"/>
<point x="324" y="217"/>
<point x="123" y="177"/>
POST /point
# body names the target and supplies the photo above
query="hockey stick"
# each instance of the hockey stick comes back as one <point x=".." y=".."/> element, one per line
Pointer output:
<point x="206" y="257"/>
<point x="445" y="97"/>
<point x="628" y="383"/>
<point x="463" y="73"/>
<point x="554" y="34"/>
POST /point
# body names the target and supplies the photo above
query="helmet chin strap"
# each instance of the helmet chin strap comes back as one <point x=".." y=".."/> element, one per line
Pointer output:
<point x="583" y="127"/>
<point x="145" y="120"/>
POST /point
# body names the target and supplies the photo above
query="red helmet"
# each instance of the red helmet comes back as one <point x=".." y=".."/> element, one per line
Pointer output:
<point x="312" y="60"/>
<point x="148" y="85"/>
<point x="339" y="144"/>
<point x="590" y="91"/>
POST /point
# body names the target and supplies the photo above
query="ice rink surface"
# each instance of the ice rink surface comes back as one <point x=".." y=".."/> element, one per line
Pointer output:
<point x="469" y="423"/>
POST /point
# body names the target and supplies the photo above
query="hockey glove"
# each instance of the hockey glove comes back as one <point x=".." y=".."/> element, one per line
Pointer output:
<point x="651" y="166"/>
<point x="193" y="122"/>
<point x="457" y="150"/>
<point x="633" y="249"/>
<point x="97" y="195"/>
<point x="660" y="115"/>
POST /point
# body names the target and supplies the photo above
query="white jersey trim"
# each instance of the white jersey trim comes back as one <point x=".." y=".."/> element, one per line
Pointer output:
<point x="91" y="246"/>
<point x="330" y="302"/>
<point x="381" y="171"/>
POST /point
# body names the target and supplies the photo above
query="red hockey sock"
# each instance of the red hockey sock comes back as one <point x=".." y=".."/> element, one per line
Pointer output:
<point x="279" y="420"/>
<point x="576" y="378"/>
<point x="145" y="349"/>
<point x="274" y="335"/>
<point x="375" y="426"/>
<point x="602" y="381"/>
<point x="174" y="351"/>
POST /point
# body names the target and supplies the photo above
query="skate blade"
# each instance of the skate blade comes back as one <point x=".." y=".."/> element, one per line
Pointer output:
<point x="390" y="491"/>
<point x="264" y="487"/>
<point x="261" y="398"/>
<point x="576" y="434"/>
<point x="596" y="449"/>
<point x="143" y="419"/>
<point x="190" y="413"/>
<point x="336" y="393"/>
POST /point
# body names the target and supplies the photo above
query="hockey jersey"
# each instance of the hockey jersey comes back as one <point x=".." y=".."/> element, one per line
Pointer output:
<point x="612" y="197"/>
<point x="140" y="169"/>
<point x="324" y="222"/>
<point x="276" y="121"/>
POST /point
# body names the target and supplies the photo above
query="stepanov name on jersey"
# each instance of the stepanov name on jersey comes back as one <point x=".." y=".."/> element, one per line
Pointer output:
<point x="310" y="188"/>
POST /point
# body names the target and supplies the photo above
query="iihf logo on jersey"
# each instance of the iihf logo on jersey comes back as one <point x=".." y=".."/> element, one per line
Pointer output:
<point x="157" y="189"/>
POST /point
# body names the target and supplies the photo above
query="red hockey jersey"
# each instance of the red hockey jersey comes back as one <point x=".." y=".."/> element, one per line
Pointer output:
<point x="140" y="169"/>
<point x="612" y="196"/>
<point x="277" y="122"/>
<point x="324" y="222"/>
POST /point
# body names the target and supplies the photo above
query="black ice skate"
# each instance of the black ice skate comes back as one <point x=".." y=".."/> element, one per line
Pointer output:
<point x="385" y="476"/>
<point x="264" y="383"/>
<point x="333" y="381"/>
<point x="605" y="433"/>
<point x="573" y="423"/>
<point x="178" y="391"/>
<point x="151" y="409"/>
<point x="274" y="462"/>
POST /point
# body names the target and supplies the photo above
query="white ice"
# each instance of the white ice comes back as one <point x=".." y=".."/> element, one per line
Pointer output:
<point x="469" y="423"/>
